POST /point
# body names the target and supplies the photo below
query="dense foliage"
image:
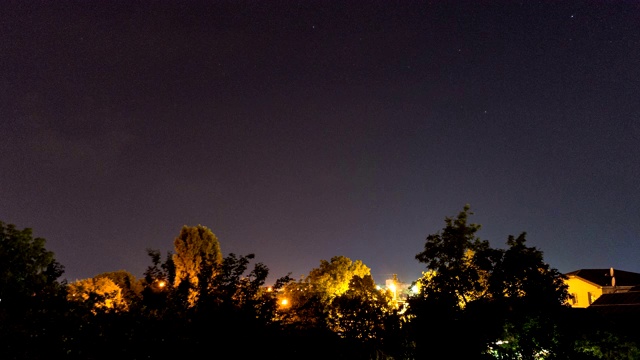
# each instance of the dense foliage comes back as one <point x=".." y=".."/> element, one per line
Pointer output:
<point x="473" y="302"/>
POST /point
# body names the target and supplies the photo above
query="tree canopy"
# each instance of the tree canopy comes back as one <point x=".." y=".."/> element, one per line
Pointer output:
<point x="332" y="277"/>
<point x="101" y="293"/>
<point x="130" y="286"/>
<point x="310" y="297"/>
<point x="26" y="266"/>
<point x="495" y="303"/>
<point x="196" y="247"/>
<point x="359" y="313"/>
<point x="466" y="279"/>
<point x="31" y="298"/>
<point x="452" y="257"/>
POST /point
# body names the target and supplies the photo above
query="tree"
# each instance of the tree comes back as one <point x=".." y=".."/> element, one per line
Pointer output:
<point x="158" y="280"/>
<point x="309" y="298"/>
<point x="520" y="272"/>
<point x="130" y="286"/>
<point x="100" y="293"/>
<point x="231" y="300"/>
<point x="32" y="301"/>
<point x="453" y="281"/>
<point x="452" y="256"/>
<point x="480" y="295"/>
<point x="26" y="267"/>
<point x="366" y="317"/>
<point x="232" y="285"/>
<point x="236" y="301"/>
<point x="359" y="312"/>
<point x="332" y="278"/>
<point x="534" y="296"/>
<point x="196" y="247"/>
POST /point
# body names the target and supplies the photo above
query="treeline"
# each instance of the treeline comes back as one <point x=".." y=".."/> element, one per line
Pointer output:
<point x="473" y="301"/>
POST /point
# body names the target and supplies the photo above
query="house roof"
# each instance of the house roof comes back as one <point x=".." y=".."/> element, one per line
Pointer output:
<point x="622" y="298"/>
<point x="602" y="277"/>
<point x="622" y="303"/>
<point x="621" y="310"/>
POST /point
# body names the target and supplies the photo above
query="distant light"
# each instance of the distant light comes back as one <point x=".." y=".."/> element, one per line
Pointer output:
<point x="161" y="284"/>
<point x="378" y="287"/>
<point x="284" y="302"/>
<point x="415" y="289"/>
<point x="269" y="289"/>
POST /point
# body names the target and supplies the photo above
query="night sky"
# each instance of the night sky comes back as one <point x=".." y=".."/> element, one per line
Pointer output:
<point x="302" y="130"/>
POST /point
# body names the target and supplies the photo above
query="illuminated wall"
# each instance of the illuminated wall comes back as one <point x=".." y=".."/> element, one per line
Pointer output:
<point x="584" y="293"/>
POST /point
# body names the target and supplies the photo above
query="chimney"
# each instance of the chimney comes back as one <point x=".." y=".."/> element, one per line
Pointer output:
<point x="613" y="278"/>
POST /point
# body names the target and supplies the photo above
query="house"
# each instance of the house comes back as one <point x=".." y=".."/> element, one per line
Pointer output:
<point x="587" y="285"/>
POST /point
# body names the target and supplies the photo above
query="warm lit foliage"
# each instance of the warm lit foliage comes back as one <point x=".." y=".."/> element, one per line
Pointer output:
<point x="332" y="278"/>
<point x="309" y="298"/>
<point x="511" y="309"/>
<point x="361" y="311"/>
<point x="196" y="247"/>
<point x="100" y="293"/>
<point x="127" y="282"/>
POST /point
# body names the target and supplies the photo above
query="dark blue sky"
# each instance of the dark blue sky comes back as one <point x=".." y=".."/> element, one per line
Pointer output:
<point x="301" y="130"/>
